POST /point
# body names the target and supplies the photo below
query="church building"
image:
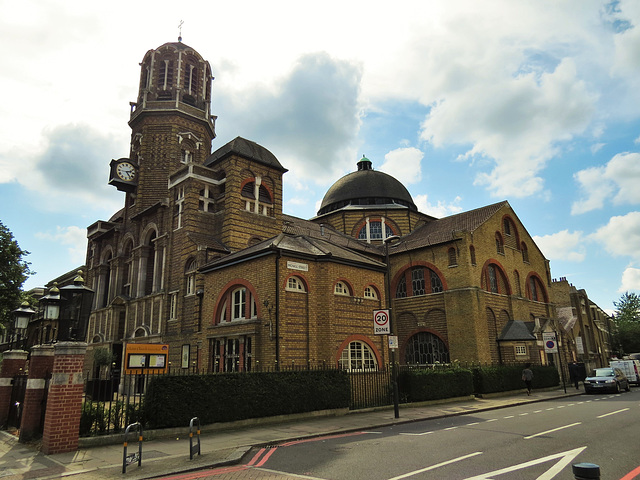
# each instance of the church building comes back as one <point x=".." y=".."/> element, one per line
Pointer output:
<point x="202" y="258"/>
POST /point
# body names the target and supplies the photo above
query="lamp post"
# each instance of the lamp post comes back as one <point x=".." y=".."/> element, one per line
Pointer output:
<point x="394" y="368"/>
<point x="22" y="318"/>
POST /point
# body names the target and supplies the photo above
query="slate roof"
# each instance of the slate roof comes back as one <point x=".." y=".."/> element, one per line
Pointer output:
<point x="444" y="229"/>
<point x="516" y="330"/>
<point x="247" y="149"/>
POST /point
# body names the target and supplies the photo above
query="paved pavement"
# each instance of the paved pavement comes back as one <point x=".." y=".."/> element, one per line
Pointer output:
<point x="226" y="446"/>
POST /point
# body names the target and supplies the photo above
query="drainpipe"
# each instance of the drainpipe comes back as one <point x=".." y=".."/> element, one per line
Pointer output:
<point x="278" y="310"/>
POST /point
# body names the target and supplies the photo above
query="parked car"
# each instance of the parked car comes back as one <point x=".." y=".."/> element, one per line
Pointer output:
<point x="606" y="379"/>
<point x="630" y="368"/>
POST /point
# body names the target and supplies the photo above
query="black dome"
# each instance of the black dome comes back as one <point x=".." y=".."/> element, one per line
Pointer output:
<point x="366" y="187"/>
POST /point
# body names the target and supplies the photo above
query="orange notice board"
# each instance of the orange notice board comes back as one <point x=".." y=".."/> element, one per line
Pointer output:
<point x="146" y="358"/>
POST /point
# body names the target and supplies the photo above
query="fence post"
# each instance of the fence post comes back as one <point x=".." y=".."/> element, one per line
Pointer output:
<point x="194" y="448"/>
<point x="129" y="459"/>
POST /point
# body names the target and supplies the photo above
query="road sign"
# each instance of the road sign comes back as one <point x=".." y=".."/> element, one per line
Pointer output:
<point x="549" y="340"/>
<point x="381" y="324"/>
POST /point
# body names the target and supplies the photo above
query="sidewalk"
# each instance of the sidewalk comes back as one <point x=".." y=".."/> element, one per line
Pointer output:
<point x="171" y="455"/>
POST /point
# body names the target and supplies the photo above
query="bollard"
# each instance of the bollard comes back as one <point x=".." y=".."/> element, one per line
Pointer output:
<point x="586" y="471"/>
<point x="194" y="448"/>
<point x="129" y="459"/>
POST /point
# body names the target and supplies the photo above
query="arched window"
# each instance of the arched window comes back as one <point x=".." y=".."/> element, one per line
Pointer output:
<point x="525" y="252"/>
<point x="165" y="75"/>
<point x="507" y="227"/>
<point x="494" y="280"/>
<point x="535" y="290"/>
<point x="341" y="288"/>
<point x="370" y="292"/>
<point x="256" y="197"/>
<point x="150" y="259"/>
<point x="472" y="254"/>
<point x="516" y="279"/>
<point x="125" y="280"/>
<point x="374" y="230"/>
<point x="357" y="356"/>
<point x="453" y="261"/>
<point x="237" y="303"/>
<point x="499" y="244"/>
<point x="425" y="348"/>
<point x="294" y="284"/>
<point x="190" y="277"/>
<point x="422" y="280"/>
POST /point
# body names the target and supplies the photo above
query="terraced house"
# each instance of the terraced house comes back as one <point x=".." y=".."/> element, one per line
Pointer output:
<point x="202" y="258"/>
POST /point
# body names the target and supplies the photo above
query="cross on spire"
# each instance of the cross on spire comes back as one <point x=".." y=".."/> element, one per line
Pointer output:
<point x="180" y="30"/>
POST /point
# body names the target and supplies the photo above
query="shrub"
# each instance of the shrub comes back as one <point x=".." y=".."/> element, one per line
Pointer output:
<point x="421" y="385"/>
<point x="503" y="378"/>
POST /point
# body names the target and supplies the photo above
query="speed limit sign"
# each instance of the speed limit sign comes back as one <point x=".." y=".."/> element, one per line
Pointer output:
<point x="381" y="324"/>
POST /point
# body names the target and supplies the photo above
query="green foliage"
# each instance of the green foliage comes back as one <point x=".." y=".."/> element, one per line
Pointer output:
<point x="628" y="336"/>
<point x="102" y="356"/>
<point x="628" y="308"/>
<point x="492" y="379"/>
<point x="429" y="384"/>
<point x="13" y="273"/>
<point x="172" y="401"/>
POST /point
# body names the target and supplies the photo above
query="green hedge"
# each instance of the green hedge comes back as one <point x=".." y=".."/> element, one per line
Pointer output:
<point x="172" y="401"/>
<point x="421" y="385"/>
<point x="509" y="377"/>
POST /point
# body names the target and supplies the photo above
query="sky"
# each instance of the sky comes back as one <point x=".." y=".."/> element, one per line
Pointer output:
<point x="467" y="103"/>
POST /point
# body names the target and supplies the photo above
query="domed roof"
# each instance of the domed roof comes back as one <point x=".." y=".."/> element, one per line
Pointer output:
<point x="366" y="187"/>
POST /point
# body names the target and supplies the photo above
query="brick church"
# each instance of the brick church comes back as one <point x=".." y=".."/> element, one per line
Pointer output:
<point x="202" y="258"/>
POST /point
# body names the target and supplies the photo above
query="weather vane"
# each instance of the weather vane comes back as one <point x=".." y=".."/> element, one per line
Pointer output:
<point x="180" y="30"/>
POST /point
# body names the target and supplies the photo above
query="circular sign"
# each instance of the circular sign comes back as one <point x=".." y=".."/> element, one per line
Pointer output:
<point x="551" y="344"/>
<point x="381" y="317"/>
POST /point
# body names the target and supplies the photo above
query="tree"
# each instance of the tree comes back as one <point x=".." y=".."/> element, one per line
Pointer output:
<point x="627" y="318"/>
<point x="14" y="270"/>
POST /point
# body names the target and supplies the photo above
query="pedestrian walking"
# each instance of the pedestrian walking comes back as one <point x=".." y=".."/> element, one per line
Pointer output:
<point x="527" y="377"/>
<point x="574" y="374"/>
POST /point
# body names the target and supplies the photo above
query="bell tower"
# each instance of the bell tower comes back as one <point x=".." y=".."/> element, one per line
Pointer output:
<point x="171" y="123"/>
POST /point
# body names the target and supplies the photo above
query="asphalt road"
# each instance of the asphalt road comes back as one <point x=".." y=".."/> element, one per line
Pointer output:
<point x="534" y="441"/>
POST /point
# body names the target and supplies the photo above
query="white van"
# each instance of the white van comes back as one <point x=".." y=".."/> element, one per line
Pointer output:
<point x="631" y="369"/>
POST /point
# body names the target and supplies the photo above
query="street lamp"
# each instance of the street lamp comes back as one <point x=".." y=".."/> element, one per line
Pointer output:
<point x="75" y="303"/>
<point x="22" y="317"/>
<point x="50" y="311"/>
<point x="394" y="368"/>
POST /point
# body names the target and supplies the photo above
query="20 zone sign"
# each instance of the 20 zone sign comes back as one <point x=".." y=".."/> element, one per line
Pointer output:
<point x="381" y="322"/>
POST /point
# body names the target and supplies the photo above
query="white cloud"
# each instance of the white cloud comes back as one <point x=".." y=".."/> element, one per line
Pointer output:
<point x="621" y="236"/>
<point x="630" y="280"/>
<point x="439" y="210"/>
<point x="621" y="175"/>
<point x="75" y="238"/>
<point x="562" y="245"/>
<point x="404" y="164"/>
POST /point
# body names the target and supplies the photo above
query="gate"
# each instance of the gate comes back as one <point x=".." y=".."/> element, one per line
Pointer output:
<point x="19" y="385"/>
<point x="43" y="403"/>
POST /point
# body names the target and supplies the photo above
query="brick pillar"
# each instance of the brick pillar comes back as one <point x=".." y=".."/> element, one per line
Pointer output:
<point x="64" y="402"/>
<point x="13" y="363"/>
<point x="40" y="367"/>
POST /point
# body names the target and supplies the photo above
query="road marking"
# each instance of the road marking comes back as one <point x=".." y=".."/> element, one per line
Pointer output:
<point x="523" y="414"/>
<point x="433" y="467"/>
<point x="552" y="408"/>
<point x="451" y="428"/>
<point x="510" y="416"/>
<point x="537" y="411"/>
<point x="612" y="413"/>
<point x="417" y="434"/>
<point x="565" y="458"/>
<point x="561" y="406"/>
<point x="474" y="423"/>
<point x="632" y="474"/>
<point x="492" y="420"/>
<point x="552" y="430"/>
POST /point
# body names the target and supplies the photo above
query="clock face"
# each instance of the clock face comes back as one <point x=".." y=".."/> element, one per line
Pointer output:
<point x="126" y="171"/>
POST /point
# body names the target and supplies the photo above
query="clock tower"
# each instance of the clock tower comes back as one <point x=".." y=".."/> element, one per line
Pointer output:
<point x="171" y="123"/>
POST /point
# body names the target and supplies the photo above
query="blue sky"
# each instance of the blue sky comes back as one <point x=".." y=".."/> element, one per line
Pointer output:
<point x="467" y="103"/>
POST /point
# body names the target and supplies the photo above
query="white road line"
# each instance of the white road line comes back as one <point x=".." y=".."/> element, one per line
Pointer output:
<point x="492" y="420"/>
<point x="510" y="416"/>
<point x="416" y="434"/>
<point x="552" y="430"/>
<point x="451" y="428"/>
<point x="547" y="409"/>
<point x="433" y="467"/>
<point x="474" y="423"/>
<point x="612" y="413"/>
<point x="523" y="414"/>
<point x="537" y="411"/>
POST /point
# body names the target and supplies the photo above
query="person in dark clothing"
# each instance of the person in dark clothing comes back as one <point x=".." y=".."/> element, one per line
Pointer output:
<point x="527" y="377"/>
<point x="574" y="374"/>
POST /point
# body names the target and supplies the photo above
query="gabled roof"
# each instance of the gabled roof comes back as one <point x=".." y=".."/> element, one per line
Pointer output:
<point x="246" y="149"/>
<point x="444" y="229"/>
<point x="516" y="330"/>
